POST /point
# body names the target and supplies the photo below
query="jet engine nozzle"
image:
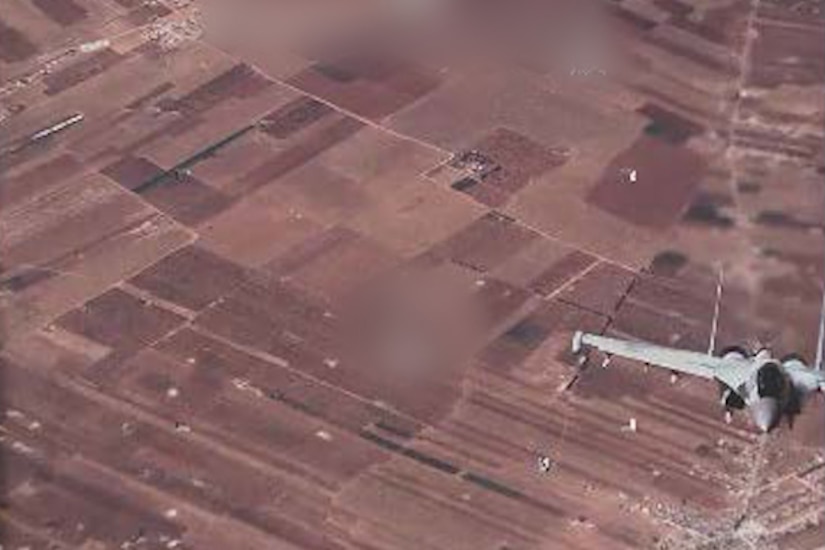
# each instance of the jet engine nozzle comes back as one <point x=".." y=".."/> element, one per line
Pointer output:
<point x="765" y="413"/>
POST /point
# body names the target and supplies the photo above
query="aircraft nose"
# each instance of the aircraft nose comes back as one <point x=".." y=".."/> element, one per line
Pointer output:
<point x="765" y="413"/>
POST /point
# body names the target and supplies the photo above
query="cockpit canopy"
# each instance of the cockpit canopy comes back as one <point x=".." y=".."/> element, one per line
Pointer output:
<point x="770" y="380"/>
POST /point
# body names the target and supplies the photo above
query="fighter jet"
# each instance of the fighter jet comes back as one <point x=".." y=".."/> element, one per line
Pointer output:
<point x="769" y="388"/>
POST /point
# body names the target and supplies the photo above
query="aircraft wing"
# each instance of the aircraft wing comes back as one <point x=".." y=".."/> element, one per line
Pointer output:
<point x="806" y="378"/>
<point x="732" y="372"/>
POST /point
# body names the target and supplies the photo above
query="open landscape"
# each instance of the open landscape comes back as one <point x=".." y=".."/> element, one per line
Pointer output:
<point x="304" y="274"/>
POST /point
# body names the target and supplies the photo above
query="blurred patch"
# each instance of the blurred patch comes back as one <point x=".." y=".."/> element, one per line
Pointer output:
<point x="367" y="82"/>
<point x="415" y="327"/>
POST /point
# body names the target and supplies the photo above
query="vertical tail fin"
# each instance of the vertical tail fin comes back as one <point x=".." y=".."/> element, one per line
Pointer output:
<point x="715" y="325"/>
<point x="821" y="340"/>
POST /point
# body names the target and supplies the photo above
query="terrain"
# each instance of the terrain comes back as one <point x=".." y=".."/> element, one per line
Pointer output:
<point x="303" y="275"/>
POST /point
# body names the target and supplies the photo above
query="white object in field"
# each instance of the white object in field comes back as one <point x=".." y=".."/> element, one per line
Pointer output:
<point x="631" y="426"/>
<point x="54" y="128"/>
<point x="95" y="46"/>
<point x="629" y="175"/>
<point x="545" y="464"/>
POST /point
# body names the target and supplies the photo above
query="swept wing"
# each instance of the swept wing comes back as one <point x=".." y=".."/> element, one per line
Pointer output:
<point x="804" y="378"/>
<point x="731" y="371"/>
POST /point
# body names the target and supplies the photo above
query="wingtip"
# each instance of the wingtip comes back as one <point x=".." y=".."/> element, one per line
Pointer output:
<point x="576" y="345"/>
